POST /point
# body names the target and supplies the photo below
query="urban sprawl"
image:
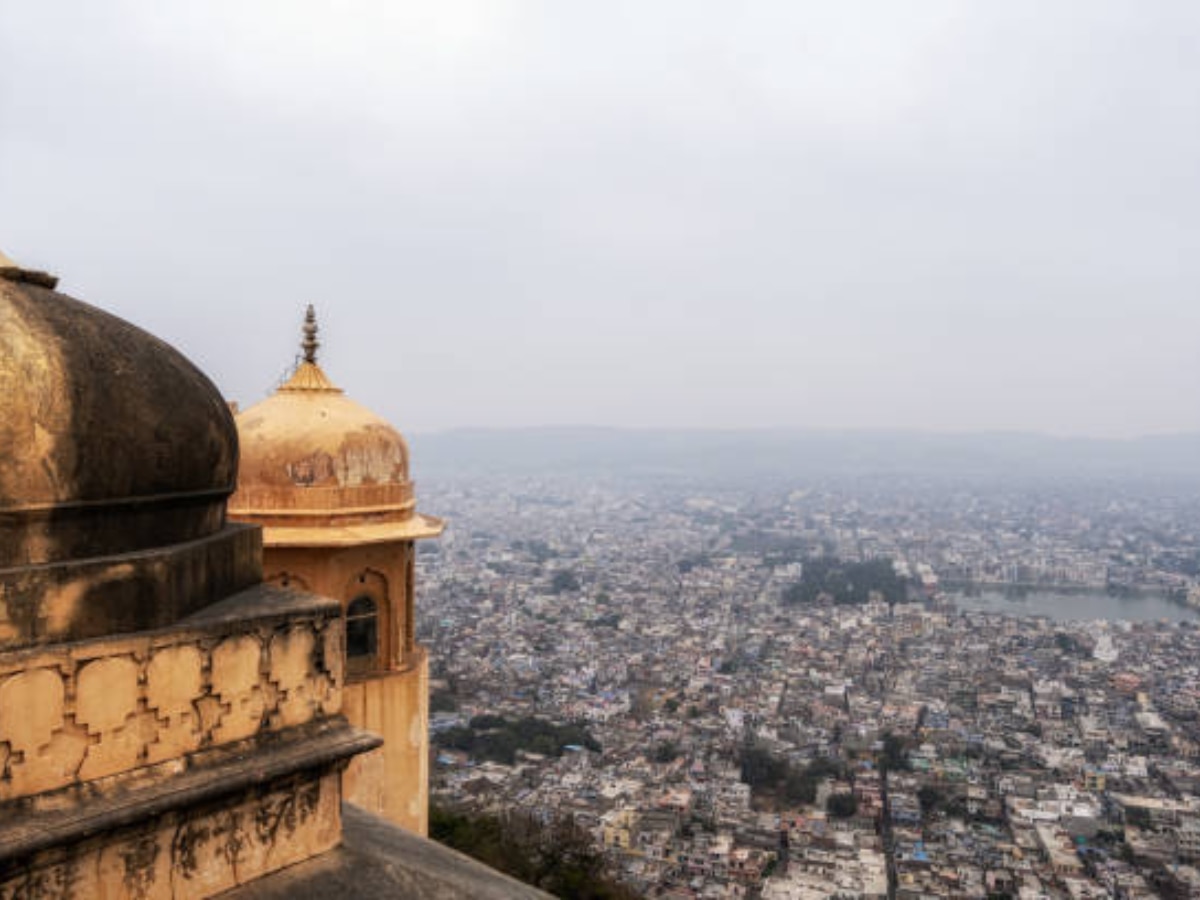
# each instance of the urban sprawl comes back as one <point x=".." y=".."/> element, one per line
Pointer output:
<point x="729" y="741"/>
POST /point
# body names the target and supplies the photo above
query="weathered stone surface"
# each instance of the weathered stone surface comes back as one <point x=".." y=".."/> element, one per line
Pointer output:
<point x="329" y="482"/>
<point x="106" y="704"/>
<point x="377" y="859"/>
<point x="128" y="868"/>
<point x="154" y="697"/>
<point x="31" y="709"/>
<point x="319" y="470"/>
<point x="386" y="694"/>
<point x="335" y="663"/>
<point x="174" y="677"/>
<point x="236" y="677"/>
<point x="393" y="781"/>
<point x="56" y="764"/>
<point x="43" y="749"/>
<point x="310" y="435"/>
<point x="78" y="385"/>
<point x="174" y="685"/>
<point x="106" y="693"/>
<point x="159" y="737"/>
<point x="291" y="673"/>
<point x="231" y="818"/>
<point x="101" y="596"/>
<point x="118" y="458"/>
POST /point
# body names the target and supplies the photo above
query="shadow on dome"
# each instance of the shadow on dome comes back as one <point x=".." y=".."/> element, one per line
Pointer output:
<point x="120" y="457"/>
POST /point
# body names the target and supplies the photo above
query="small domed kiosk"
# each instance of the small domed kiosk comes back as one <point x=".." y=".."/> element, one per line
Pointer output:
<point x="328" y="481"/>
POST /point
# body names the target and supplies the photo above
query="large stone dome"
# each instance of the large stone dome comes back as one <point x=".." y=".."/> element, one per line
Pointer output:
<point x="112" y="441"/>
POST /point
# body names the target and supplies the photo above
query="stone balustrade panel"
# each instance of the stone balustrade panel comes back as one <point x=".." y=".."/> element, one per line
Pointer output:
<point x="75" y="713"/>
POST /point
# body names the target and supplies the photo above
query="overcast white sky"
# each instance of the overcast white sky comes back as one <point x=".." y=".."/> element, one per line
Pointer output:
<point x="933" y="215"/>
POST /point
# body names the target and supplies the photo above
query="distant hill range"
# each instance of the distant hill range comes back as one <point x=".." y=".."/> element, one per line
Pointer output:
<point x="790" y="454"/>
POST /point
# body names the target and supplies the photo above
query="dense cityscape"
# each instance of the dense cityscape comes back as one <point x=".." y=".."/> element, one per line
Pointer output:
<point x="508" y="450"/>
<point x="637" y="657"/>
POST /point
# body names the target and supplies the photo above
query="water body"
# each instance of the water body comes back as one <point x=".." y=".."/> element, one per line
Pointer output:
<point x="1070" y="607"/>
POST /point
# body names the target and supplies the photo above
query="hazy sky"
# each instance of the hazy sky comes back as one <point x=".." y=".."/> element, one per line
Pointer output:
<point x="935" y="215"/>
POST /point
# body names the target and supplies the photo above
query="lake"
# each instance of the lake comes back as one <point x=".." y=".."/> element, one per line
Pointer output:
<point x="1065" y="607"/>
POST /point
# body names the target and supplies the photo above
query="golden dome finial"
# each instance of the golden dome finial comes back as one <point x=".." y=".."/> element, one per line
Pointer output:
<point x="310" y="342"/>
<point x="308" y="375"/>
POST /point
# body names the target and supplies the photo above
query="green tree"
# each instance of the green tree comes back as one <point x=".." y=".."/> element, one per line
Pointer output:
<point x="930" y="799"/>
<point x="800" y="787"/>
<point x="488" y="722"/>
<point x="555" y="857"/>
<point x="665" y="752"/>
<point x="895" y="756"/>
<point x="845" y="583"/>
<point x="760" y="769"/>
<point x="841" y="806"/>
<point x="564" y="581"/>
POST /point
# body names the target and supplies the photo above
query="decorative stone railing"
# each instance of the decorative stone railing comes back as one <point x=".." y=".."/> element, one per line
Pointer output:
<point x="74" y="713"/>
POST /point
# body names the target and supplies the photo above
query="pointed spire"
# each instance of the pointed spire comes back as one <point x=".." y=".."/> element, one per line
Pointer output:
<point x="308" y="375"/>
<point x="310" y="343"/>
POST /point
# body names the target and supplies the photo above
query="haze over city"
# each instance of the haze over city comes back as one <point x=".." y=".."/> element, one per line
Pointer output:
<point x="739" y="452"/>
<point x="935" y="216"/>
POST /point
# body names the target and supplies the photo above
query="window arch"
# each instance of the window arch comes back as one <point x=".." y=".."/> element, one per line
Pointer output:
<point x="362" y="629"/>
<point x="368" y="617"/>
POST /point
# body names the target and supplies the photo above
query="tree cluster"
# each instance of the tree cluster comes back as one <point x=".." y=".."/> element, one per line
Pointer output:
<point x="498" y="739"/>
<point x="539" y="550"/>
<point x="556" y="857"/>
<point x="564" y="581"/>
<point x="665" y="752"/>
<point x="841" y="806"/>
<point x="828" y="579"/>
<point x="770" y="776"/>
<point x="688" y="563"/>
<point x="894" y="757"/>
<point x="607" y="620"/>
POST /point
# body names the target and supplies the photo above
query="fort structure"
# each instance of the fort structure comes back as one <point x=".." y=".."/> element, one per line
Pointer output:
<point x="172" y="724"/>
<point x="329" y="482"/>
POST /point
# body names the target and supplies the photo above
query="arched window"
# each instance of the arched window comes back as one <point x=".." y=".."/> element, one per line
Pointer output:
<point x="362" y="629"/>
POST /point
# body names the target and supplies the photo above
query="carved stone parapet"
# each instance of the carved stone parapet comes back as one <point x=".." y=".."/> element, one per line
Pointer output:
<point x="234" y="814"/>
<point x="263" y="661"/>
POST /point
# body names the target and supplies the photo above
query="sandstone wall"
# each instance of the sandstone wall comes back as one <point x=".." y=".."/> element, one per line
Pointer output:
<point x="75" y="713"/>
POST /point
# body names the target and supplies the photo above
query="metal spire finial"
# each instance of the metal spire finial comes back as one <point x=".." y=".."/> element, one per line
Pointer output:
<point x="310" y="342"/>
